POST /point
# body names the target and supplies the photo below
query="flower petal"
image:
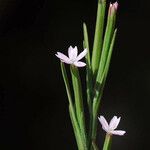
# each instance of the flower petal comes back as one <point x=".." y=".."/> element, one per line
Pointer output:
<point x="81" y="55"/>
<point x="103" y="123"/>
<point x="63" y="57"/>
<point x="114" y="123"/>
<point x="72" y="52"/>
<point x="79" y="64"/>
<point x="118" y="132"/>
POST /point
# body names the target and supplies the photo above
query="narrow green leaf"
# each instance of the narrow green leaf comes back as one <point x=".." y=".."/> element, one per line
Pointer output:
<point x="99" y="84"/>
<point x="103" y="78"/>
<point x="86" y="42"/>
<point x="89" y="82"/>
<point x="76" y="129"/>
<point x="77" y="88"/>
<point x="65" y="77"/>
<point x="88" y="68"/>
<point x="100" y="88"/>
<point x="104" y="75"/>
<point x="82" y="129"/>
<point x="74" y="120"/>
<point x="106" y="44"/>
<point x="104" y="63"/>
<point x="94" y="125"/>
<point x="97" y="46"/>
<point x="96" y="101"/>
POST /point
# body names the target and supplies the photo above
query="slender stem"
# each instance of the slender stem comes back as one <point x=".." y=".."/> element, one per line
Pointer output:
<point x="89" y="82"/>
<point x="65" y="77"/>
<point x="72" y="113"/>
<point x="95" y="147"/>
<point x="88" y="68"/>
<point x="76" y="129"/>
<point x="77" y="88"/>
<point x="100" y="87"/>
<point x="96" y="106"/>
<point x="106" y="145"/>
<point x="106" y="45"/>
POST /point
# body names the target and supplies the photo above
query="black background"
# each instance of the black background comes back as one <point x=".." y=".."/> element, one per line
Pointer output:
<point x="33" y="102"/>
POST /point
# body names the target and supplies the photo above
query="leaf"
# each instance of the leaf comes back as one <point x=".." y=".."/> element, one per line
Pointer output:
<point x="88" y="69"/>
<point x="76" y="129"/>
<point x="65" y="78"/>
<point x="100" y="86"/>
<point x="106" y="44"/>
<point x="98" y="38"/>
<point x="77" y="88"/>
<point x="89" y="83"/>
<point x="97" y="99"/>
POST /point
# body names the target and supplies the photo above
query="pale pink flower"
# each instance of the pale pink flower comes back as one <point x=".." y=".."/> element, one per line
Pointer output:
<point x="73" y="58"/>
<point x="110" y="128"/>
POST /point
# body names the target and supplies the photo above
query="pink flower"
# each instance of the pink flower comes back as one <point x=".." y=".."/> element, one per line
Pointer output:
<point x="73" y="58"/>
<point x="110" y="128"/>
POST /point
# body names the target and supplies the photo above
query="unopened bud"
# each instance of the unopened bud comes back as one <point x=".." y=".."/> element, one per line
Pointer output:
<point x="115" y="5"/>
<point x="113" y="8"/>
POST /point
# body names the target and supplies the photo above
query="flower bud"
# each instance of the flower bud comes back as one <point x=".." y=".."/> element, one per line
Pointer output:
<point x="113" y="8"/>
<point x="115" y="5"/>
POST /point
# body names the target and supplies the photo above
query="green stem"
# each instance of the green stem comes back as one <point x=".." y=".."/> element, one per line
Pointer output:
<point x="77" y="88"/>
<point x="94" y="146"/>
<point x="74" y="120"/>
<point x="65" y="77"/>
<point x="100" y="87"/>
<point x="89" y="82"/>
<point x="106" y="43"/>
<point x="88" y="68"/>
<point x="107" y="142"/>
<point x="96" y="106"/>
<point x="76" y="129"/>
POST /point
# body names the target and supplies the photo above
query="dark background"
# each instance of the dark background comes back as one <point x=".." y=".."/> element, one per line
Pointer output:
<point x="33" y="102"/>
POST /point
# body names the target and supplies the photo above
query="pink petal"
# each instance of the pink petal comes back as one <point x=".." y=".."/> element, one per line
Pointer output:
<point x="79" y="64"/>
<point x="72" y="52"/>
<point x="63" y="57"/>
<point x="115" y="5"/>
<point x="114" y="123"/>
<point x="81" y="55"/>
<point x="118" y="132"/>
<point x="103" y="123"/>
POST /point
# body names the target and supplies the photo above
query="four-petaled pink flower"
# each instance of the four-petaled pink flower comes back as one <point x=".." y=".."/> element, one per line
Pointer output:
<point x="73" y="57"/>
<point x="110" y="128"/>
